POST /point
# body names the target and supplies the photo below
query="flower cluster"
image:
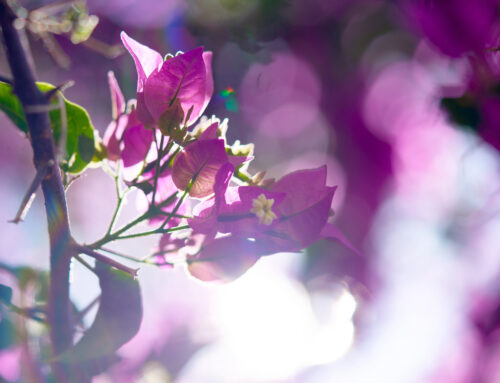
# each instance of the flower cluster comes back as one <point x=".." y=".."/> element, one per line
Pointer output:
<point x="236" y="218"/>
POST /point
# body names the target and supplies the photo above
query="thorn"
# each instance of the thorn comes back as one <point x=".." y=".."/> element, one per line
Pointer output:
<point x="65" y="85"/>
<point x="6" y="80"/>
<point x="109" y="261"/>
<point x="31" y="192"/>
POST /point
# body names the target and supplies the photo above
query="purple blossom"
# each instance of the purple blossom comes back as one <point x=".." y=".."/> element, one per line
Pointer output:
<point x="186" y="77"/>
<point x="304" y="211"/>
<point x="137" y="141"/>
<point x="125" y="137"/>
<point x="199" y="163"/>
<point x="246" y="210"/>
<point x="290" y="216"/>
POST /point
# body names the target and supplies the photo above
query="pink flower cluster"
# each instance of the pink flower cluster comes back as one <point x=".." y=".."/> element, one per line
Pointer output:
<point x="238" y="218"/>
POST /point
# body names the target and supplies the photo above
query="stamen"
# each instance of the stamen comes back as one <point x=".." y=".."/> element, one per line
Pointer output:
<point x="262" y="209"/>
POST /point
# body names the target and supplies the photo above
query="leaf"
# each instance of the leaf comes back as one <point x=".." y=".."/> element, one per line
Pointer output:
<point x="8" y="333"/>
<point x="79" y="150"/>
<point x="117" y="320"/>
<point x="11" y="106"/>
<point x="5" y="294"/>
<point x="79" y="124"/>
<point x="86" y="148"/>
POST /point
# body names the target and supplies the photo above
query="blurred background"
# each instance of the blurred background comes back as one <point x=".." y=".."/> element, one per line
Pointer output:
<point x="356" y="84"/>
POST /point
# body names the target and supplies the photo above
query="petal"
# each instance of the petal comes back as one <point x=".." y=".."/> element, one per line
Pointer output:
<point x="303" y="188"/>
<point x="117" y="99"/>
<point x="305" y="226"/>
<point x="206" y="212"/>
<point x="113" y="136"/>
<point x="211" y="132"/>
<point x="223" y="259"/>
<point x="199" y="161"/>
<point x="137" y="141"/>
<point x="209" y="85"/>
<point x="236" y="217"/>
<point x="330" y="231"/>
<point x="184" y="77"/>
<point x="146" y="59"/>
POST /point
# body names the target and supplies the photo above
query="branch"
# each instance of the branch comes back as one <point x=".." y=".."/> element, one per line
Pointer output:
<point x="30" y="194"/>
<point x="61" y="250"/>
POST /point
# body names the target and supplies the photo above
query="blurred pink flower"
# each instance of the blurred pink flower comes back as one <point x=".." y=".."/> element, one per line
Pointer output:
<point x="10" y="367"/>
<point x="186" y="77"/>
<point x="448" y="23"/>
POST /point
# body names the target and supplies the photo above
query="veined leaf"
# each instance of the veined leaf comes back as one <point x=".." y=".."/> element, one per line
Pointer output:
<point x="80" y="131"/>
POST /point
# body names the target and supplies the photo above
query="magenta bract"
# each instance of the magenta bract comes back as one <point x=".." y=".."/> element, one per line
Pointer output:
<point x="137" y="141"/>
<point x="223" y="259"/>
<point x="117" y="99"/>
<point x="112" y="137"/>
<point x="199" y="162"/>
<point x="186" y="77"/>
<point x="306" y="207"/>
<point x="300" y="206"/>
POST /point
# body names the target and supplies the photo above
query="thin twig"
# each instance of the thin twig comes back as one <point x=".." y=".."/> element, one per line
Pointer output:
<point x="31" y="192"/>
<point x="85" y="311"/>
<point x="6" y="80"/>
<point x="109" y="261"/>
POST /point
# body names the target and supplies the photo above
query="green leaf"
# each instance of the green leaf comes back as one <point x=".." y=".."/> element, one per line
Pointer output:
<point x="79" y="124"/>
<point x="10" y="104"/>
<point x="80" y="143"/>
<point x="5" y="294"/>
<point x="8" y="333"/>
<point x="117" y="320"/>
<point x="86" y="147"/>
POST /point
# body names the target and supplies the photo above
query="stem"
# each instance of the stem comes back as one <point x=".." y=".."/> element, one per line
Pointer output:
<point x="242" y="176"/>
<point x="111" y="237"/>
<point x="129" y="257"/>
<point x="160" y="230"/>
<point x="159" y="150"/>
<point x="109" y="261"/>
<point x="42" y="142"/>
<point x="30" y="194"/>
<point x="116" y="235"/>
<point x="120" y="197"/>
<point x="177" y="206"/>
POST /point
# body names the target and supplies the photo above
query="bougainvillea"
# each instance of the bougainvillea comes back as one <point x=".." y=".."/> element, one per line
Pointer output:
<point x="210" y="214"/>
<point x="232" y="209"/>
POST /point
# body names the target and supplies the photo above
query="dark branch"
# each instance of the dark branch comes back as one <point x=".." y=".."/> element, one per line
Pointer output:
<point x="61" y="249"/>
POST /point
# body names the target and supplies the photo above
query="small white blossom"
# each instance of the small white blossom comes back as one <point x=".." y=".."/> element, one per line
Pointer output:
<point x="262" y="209"/>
